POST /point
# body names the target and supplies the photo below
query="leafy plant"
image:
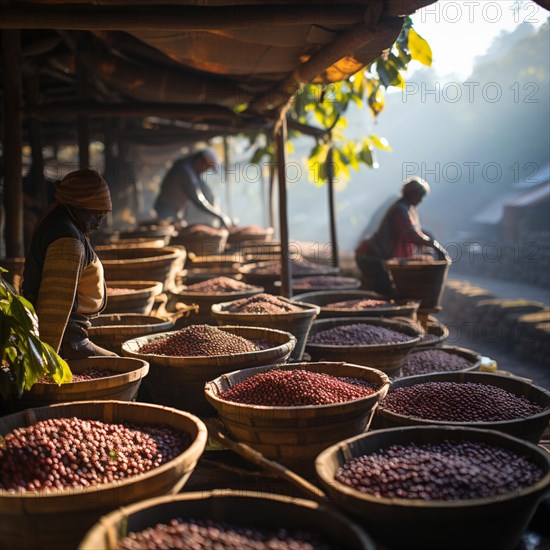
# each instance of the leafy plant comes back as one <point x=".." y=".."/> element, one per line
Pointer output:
<point x="23" y="356"/>
<point x="325" y="105"/>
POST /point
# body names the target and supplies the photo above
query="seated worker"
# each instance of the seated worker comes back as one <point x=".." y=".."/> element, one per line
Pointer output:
<point x="63" y="278"/>
<point x="183" y="184"/>
<point x="397" y="236"/>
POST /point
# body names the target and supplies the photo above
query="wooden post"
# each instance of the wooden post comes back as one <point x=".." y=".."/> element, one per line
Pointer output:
<point x="281" y="136"/>
<point x="13" y="185"/>
<point x="226" y="171"/>
<point x="332" y="208"/>
<point x="271" y="191"/>
<point x="35" y="136"/>
<point x="82" y="121"/>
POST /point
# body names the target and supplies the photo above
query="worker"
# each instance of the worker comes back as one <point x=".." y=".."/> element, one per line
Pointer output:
<point x="63" y="278"/>
<point x="399" y="235"/>
<point x="183" y="183"/>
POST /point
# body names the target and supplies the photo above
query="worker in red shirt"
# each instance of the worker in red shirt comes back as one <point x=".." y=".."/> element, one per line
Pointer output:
<point x="399" y="235"/>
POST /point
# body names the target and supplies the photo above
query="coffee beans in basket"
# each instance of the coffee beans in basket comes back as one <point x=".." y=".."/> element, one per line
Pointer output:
<point x="59" y="453"/>
<point x="208" y="534"/>
<point x="458" y="402"/>
<point x="295" y="388"/>
<point x="200" y="341"/>
<point x="358" y="334"/>
<point x="433" y="360"/>
<point x="357" y="304"/>
<point x="262" y="303"/>
<point x="218" y="284"/>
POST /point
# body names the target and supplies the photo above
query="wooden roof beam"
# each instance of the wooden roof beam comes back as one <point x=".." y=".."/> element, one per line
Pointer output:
<point x="178" y="18"/>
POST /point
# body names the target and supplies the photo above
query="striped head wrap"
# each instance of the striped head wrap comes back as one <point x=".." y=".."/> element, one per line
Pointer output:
<point x="84" y="189"/>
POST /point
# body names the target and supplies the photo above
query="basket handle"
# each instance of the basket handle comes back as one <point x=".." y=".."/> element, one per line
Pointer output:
<point x="313" y="492"/>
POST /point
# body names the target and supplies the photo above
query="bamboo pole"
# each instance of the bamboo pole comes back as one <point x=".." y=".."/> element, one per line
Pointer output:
<point x="281" y="136"/>
<point x="178" y="18"/>
<point x="332" y="208"/>
<point x="82" y="120"/>
<point x="13" y="185"/>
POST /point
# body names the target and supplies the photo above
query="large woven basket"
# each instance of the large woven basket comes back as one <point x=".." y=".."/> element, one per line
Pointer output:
<point x="205" y="301"/>
<point x="495" y="522"/>
<point x="142" y="264"/>
<point x="59" y="520"/>
<point x="529" y="429"/>
<point x="246" y="234"/>
<point x="111" y="331"/>
<point x="402" y="308"/>
<point x="294" y="436"/>
<point x="179" y="381"/>
<point x="388" y="358"/>
<point x="435" y="333"/>
<point x="247" y="508"/>
<point x="148" y="231"/>
<point x="317" y="283"/>
<point x="141" y="300"/>
<point x="143" y="242"/>
<point x="297" y="323"/>
<point x="419" y="280"/>
<point x="123" y="386"/>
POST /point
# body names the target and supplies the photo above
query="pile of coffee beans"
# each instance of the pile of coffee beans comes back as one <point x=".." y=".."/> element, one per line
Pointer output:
<point x="458" y="402"/>
<point x="218" y="284"/>
<point x="199" y="229"/>
<point x="357" y="304"/>
<point x="429" y="337"/>
<point x="262" y="303"/>
<point x="112" y="291"/>
<point x="296" y="388"/>
<point x="321" y="281"/>
<point x="59" y="453"/>
<point x="88" y="374"/>
<point x="200" y="341"/>
<point x="296" y="266"/>
<point x="444" y="471"/>
<point x="358" y="334"/>
<point x="207" y="534"/>
<point x="434" y="360"/>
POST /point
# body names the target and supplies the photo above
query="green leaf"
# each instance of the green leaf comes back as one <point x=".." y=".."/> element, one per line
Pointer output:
<point x="380" y="143"/>
<point x="419" y="48"/>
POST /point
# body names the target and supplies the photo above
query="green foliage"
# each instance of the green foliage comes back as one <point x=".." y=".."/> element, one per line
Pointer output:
<point x="325" y="106"/>
<point x="23" y="356"/>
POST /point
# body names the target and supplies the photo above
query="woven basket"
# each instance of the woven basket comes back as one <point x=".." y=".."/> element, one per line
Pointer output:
<point x="435" y="333"/>
<point x="294" y="436"/>
<point x="388" y="358"/>
<point x="148" y="231"/>
<point x="139" y="301"/>
<point x="341" y="283"/>
<point x="419" y="280"/>
<point x="401" y="308"/>
<point x="214" y="261"/>
<point x="111" y="331"/>
<point x="122" y="387"/>
<point x="137" y="264"/>
<point x="241" y="236"/>
<point x="396" y="523"/>
<point x="179" y="381"/>
<point x="140" y="242"/>
<point x="529" y="429"/>
<point x="253" y="509"/>
<point x="58" y="520"/>
<point x="201" y="243"/>
<point x="297" y="323"/>
<point x="206" y="301"/>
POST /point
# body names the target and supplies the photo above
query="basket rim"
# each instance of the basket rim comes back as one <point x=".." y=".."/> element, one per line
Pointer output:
<point x="199" y="441"/>
<point x="168" y="253"/>
<point x="207" y="358"/>
<point x="349" y="492"/>
<point x="198" y="294"/>
<point x="211" y="394"/>
<point x="387" y="323"/>
<point x="162" y="321"/>
<point x="481" y="377"/>
<point x="248" y="269"/>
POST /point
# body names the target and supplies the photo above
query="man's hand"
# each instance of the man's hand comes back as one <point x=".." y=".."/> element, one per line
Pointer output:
<point x="444" y="255"/>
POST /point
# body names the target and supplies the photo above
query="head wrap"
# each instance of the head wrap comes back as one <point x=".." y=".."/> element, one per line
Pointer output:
<point x="415" y="185"/>
<point x="84" y="189"/>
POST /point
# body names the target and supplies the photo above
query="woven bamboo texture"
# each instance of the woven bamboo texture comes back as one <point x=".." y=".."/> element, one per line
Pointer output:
<point x="179" y="381"/>
<point x="111" y="331"/>
<point x="419" y="281"/>
<point x="147" y="232"/>
<point x="143" y="242"/>
<point x="122" y="387"/>
<point x="344" y="283"/>
<point x="142" y="264"/>
<point x="263" y="510"/>
<point x="297" y="323"/>
<point x="388" y="358"/>
<point x="436" y="331"/>
<point x="294" y="436"/>
<point x="402" y="308"/>
<point x="201" y="244"/>
<point x="529" y="429"/>
<point x="60" y="519"/>
<point x="478" y="524"/>
<point x="139" y="301"/>
<point x="205" y="301"/>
